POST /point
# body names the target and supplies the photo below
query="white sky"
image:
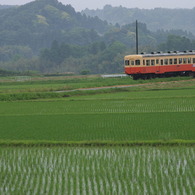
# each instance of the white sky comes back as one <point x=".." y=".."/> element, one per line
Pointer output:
<point x="94" y="4"/>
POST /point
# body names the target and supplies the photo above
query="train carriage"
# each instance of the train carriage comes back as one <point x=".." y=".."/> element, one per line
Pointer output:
<point x="145" y="66"/>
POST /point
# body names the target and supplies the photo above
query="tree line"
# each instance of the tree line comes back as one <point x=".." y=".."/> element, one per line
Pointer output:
<point x="95" y="58"/>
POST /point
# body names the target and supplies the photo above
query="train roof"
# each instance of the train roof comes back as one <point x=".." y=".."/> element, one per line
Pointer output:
<point x="160" y="54"/>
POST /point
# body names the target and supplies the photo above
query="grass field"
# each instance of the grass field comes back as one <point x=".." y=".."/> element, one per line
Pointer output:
<point x="96" y="142"/>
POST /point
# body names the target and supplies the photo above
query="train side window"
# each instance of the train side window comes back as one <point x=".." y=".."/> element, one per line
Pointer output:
<point x="152" y="62"/>
<point x="147" y="62"/>
<point x="193" y="60"/>
<point x="180" y="60"/>
<point x="166" y="61"/>
<point x="157" y="61"/>
<point x="137" y="62"/>
<point x="161" y="62"/>
<point x="184" y="60"/>
<point x="132" y="62"/>
<point x="144" y="62"/>
<point x="189" y="60"/>
<point x="127" y="62"/>
<point x="175" y="61"/>
<point x="170" y="61"/>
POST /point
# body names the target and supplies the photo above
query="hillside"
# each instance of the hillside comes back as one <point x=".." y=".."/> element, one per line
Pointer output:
<point x="155" y="19"/>
<point x="38" y="23"/>
<point x="6" y="6"/>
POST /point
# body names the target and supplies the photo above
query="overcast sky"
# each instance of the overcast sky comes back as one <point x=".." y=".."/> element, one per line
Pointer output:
<point x="93" y="4"/>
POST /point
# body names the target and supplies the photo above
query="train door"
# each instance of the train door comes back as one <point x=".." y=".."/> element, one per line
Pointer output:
<point x="157" y="65"/>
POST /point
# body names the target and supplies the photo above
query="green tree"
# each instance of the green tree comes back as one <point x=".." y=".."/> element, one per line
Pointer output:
<point x="177" y="43"/>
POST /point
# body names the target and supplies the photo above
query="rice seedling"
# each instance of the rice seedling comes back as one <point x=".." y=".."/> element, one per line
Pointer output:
<point x="100" y="119"/>
<point x="113" y="170"/>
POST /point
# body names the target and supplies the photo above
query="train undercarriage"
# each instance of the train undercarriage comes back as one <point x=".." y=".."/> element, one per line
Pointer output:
<point x="164" y="75"/>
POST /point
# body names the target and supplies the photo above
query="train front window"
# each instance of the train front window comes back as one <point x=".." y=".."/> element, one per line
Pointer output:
<point x="137" y="62"/>
<point x="132" y="63"/>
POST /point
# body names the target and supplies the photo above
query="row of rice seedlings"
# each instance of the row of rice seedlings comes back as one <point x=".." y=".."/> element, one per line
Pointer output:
<point x="100" y="106"/>
<point x="143" y="106"/>
<point x="131" y="106"/>
<point x="127" y="106"/>
<point x="97" y="170"/>
<point x="125" y="127"/>
<point x="100" y="127"/>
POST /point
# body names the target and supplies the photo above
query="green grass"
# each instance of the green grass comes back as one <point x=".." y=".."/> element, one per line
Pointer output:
<point x="53" y="84"/>
<point x="67" y="83"/>
<point x="48" y="88"/>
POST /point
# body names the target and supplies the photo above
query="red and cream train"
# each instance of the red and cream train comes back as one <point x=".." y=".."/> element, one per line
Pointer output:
<point x="145" y="66"/>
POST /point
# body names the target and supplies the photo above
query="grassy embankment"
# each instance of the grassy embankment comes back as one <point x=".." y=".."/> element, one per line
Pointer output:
<point x="13" y="89"/>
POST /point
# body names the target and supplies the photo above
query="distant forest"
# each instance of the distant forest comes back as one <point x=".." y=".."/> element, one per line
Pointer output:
<point x="48" y="37"/>
<point x="155" y="19"/>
